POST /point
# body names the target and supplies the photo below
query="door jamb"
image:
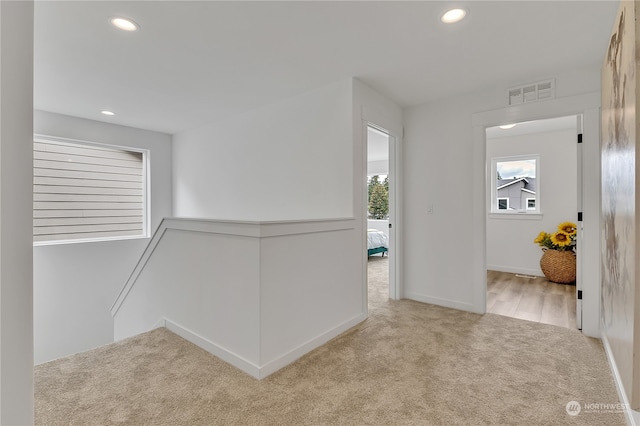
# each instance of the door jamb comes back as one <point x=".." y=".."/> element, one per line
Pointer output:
<point x="588" y="105"/>
<point x="394" y="292"/>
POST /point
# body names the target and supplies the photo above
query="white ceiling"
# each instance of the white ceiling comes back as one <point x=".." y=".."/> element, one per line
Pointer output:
<point x="193" y="63"/>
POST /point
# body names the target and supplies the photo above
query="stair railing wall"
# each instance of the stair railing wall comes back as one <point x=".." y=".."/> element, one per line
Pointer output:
<point x="256" y="294"/>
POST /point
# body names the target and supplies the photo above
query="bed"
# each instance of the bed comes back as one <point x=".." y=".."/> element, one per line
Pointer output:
<point x="377" y="242"/>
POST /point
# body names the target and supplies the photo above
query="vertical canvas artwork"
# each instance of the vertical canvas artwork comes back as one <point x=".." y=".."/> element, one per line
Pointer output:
<point x="619" y="244"/>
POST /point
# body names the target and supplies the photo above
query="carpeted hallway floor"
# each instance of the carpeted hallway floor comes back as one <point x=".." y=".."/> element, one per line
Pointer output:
<point x="409" y="363"/>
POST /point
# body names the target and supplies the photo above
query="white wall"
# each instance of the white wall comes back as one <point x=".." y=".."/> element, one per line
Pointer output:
<point x="207" y="283"/>
<point x="301" y="158"/>
<point x="439" y="155"/>
<point x="16" y="154"/>
<point x="510" y="245"/>
<point x="304" y="303"/>
<point x="75" y="284"/>
<point x="288" y="160"/>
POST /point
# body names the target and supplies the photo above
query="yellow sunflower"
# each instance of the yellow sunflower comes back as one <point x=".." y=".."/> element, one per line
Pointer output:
<point x="561" y="239"/>
<point x="540" y="238"/>
<point x="568" y="228"/>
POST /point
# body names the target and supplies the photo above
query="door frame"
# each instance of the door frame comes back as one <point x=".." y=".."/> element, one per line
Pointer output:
<point x="580" y="229"/>
<point x="587" y="105"/>
<point x="578" y="130"/>
<point x="393" y="206"/>
<point x="372" y="117"/>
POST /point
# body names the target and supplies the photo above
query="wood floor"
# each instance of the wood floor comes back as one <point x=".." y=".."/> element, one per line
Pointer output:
<point x="534" y="299"/>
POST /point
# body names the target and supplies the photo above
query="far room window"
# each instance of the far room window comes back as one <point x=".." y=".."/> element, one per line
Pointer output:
<point x="378" y="198"/>
<point x="516" y="184"/>
<point x="88" y="192"/>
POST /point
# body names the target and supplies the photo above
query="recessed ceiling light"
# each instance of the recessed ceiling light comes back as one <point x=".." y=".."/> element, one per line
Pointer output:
<point x="105" y="112"/>
<point x="454" y="15"/>
<point x="508" y="126"/>
<point x="124" y="24"/>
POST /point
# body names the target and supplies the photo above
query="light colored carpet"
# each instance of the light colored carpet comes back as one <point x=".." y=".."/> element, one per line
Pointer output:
<point x="408" y="364"/>
<point x="378" y="280"/>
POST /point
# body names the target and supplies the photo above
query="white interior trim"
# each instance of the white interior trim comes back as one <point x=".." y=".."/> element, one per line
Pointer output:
<point x="286" y="359"/>
<point x="216" y="350"/>
<point x="631" y="416"/>
<point x="373" y="118"/>
<point x="588" y="105"/>
<point x="258" y="371"/>
<point x="447" y="303"/>
<point x="513" y="270"/>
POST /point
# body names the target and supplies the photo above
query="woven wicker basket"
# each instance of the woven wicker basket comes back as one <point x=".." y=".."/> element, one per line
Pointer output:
<point x="558" y="266"/>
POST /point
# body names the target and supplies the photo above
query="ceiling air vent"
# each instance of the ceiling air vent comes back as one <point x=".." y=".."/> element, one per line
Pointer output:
<point x="533" y="92"/>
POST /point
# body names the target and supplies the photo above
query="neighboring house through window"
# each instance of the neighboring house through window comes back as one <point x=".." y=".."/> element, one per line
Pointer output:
<point x="516" y="185"/>
<point x="87" y="192"/>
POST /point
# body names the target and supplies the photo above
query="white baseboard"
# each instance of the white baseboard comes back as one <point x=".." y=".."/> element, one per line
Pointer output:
<point x="260" y="371"/>
<point x="632" y="416"/>
<point x="453" y="304"/>
<point x="286" y="359"/>
<point x="214" y="349"/>
<point x="512" y="270"/>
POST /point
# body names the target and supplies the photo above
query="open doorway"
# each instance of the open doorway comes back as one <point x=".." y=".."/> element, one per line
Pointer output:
<point x="378" y="212"/>
<point x="533" y="187"/>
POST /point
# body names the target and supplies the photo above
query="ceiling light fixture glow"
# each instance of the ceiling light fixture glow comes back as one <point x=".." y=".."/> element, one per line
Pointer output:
<point x="508" y="126"/>
<point x="454" y="15"/>
<point x="105" y="112"/>
<point x="124" y="24"/>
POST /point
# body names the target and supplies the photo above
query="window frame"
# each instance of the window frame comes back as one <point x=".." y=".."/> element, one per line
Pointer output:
<point x="146" y="188"/>
<point x="494" y="189"/>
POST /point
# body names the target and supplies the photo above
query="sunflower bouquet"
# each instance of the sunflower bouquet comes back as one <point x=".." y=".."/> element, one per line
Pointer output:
<point x="564" y="239"/>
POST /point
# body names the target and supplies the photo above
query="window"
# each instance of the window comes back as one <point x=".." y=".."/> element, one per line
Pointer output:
<point x="87" y="192"/>
<point x="515" y="187"/>
<point x="378" y="200"/>
<point x="531" y="203"/>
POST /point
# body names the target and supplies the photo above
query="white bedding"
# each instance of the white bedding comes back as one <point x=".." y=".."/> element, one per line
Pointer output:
<point x="376" y="239"/>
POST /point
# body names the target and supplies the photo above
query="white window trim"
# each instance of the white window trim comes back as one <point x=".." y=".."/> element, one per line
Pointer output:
<point x="494" y="211"/>
<point x="516" y="216"/>
<point x="146" y="190"/>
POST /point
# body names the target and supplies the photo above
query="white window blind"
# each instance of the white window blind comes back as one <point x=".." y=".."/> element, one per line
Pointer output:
<point x="87" y="192"/>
